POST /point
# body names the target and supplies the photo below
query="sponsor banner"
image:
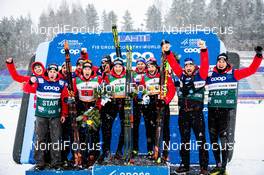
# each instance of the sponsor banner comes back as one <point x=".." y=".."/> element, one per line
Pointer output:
<point x="130" y="170"/>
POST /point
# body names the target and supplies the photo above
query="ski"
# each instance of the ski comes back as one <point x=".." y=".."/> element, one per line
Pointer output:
<point x="72" y="107"/>
<point x="128" y="101"/>
<point x="116" y="41"/>
<point x="160" y="108"/>
<point x="128" y="108"/>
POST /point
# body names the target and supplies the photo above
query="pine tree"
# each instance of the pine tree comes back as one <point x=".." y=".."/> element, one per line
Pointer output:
<point x="91" y="17"/>
<point x="127" y="22"/>
<point x="112" y="17"/>
<point x="197" y="13"/>
<point x="214" y="13"/>
<point x="258" y="23"/>
<point x="78" y="17"/>
<point x="43" y="23"/>
<point x="105" y="22"/>
<point x="153" y="22"/>
<point x="63" y="14"/>
<point x="179" y="13"/>
<point x="52" y="22"/>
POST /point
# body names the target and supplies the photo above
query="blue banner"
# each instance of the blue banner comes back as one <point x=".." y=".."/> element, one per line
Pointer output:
<point x="144" y="44"/>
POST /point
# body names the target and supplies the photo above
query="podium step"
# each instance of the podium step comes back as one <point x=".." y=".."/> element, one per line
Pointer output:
<point x="54" y="172"/>
<point x="130" y="170"/>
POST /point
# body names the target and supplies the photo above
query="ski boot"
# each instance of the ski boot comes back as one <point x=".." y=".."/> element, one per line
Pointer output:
<point x="91" y="161"/>
<point x="182" y="169"/>
<point x="222" y="172"/>
<point x="203" y="172"/>
<point x="134" y="154"/>
<point x="104" y="157"/>
<point x="216" y="170"/>
<point x="150" y="155"/>
<point x="57" y="167"/>
<point x="39" y="167"/>
<point x="118" y="155"/>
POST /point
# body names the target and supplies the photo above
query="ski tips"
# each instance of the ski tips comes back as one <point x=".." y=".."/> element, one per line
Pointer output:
<point x="66" y="45"/>
<point x="114" y="27"/>
<point x="128" y="48"/>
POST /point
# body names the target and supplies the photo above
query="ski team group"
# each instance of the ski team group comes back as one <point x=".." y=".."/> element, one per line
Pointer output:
<point x="53" y="124"/>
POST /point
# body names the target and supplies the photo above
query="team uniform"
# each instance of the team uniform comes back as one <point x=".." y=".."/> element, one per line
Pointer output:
<point x="150" y="111"/>
<point x="191" y="103"/>
<point x="50" y="107"/>
<point x="222" y="86"/>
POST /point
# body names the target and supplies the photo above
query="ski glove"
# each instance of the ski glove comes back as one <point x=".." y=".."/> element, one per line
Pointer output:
<point x="105" y="99"/>
<point x="145" y="100"/>
<point x="258" y="50"/>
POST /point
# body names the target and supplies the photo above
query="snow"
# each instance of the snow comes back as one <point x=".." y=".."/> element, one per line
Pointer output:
<point x="8" y="117"/>
<point x="248" y="156"/>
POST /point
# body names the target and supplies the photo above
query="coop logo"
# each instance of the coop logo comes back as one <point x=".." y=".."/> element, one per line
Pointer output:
<point x="135" y="55"/>
<point x="192" y="50"/>
<point x="128" y="173"/>
<point x="54" y="88"/>
<point x="218" y="79"/>
<point x="72" y="51"/>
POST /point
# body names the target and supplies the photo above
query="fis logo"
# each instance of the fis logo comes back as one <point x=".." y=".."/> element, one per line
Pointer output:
<point x="218" y="79"/>
<point x="185" y="42"/>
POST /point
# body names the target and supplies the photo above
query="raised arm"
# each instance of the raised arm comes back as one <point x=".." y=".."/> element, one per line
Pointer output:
<point x="204" y="67"/>
<point x="245" y="72"/>
<point x="13" y="72"/>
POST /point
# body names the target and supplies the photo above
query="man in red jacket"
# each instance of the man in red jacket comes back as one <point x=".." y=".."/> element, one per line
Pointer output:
<point x="222" y="86"/>
<point x="37" y="70"/>
<point x="192" y="80"/>
<point x="152" y="83"/>
<point x="51" y="111"/>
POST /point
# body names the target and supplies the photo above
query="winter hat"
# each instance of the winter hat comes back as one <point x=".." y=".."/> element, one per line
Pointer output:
<point x="53" y="66"/>
<point x="107" y="59"/>
<point x="79" y="61"/>
<point x="119" y="61"/>
<point x="188" y="61"/>
<point x="83" y="51"/>
<point x="164" y="42"/>
<point x="37" y="64"/>
<point x="87" y="63"/>
<point x="63" y="64"/>
<point x="152" y="61"/>
<point x="141" y="59"/>
<point x="223" y="56"/>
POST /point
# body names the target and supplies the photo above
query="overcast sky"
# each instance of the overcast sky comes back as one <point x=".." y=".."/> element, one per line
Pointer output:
<point x="137" y="8"/>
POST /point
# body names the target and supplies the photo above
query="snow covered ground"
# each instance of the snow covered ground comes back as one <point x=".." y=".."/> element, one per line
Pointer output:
<point x="248" y="158"/>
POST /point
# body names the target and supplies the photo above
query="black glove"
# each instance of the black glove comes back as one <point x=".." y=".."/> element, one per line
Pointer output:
<point x="258" y="50"/>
